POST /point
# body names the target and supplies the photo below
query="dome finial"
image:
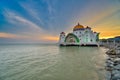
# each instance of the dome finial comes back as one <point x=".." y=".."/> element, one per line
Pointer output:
<point x="78" y="27"/>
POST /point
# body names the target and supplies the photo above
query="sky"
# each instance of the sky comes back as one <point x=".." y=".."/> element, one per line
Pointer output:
<point x="43" y="20"/>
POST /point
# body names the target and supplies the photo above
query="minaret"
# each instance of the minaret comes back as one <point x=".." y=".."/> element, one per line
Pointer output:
<point x="62" y="38"/>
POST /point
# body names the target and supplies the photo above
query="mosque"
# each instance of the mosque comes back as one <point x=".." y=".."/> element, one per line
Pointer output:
<point x="81" y="36"/>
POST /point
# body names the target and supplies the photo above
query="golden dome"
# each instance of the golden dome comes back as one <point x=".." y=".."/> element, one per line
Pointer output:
<point x="78" y="27"/>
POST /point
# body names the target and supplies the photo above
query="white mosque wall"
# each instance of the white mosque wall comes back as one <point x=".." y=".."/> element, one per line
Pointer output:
<point x="62" y="39"/>
<point x="86" y="36"/>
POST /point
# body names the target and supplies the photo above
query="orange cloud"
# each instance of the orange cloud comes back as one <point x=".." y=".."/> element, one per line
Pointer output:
<point x="107" y="32"/>
<point x="13" y="36"/>
<point x="51" y="38"/>
<point x="7" y="35"/>
<point x="30" y="37"/>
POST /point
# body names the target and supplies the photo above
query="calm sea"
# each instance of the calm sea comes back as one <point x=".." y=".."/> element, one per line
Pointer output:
<point x="51" y="62"/>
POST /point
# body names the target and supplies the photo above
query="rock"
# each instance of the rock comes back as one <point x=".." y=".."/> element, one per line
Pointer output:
<point x="112" y="56"/>
<point x="115" y="72"/>
<point x="112" y="52"/>
<point x="109" y="62"/>
<point x="117" y="59"/>
<point x="117" y="67"/>
<point x="118" y="55"/>
<point x="117" y="51"/>
<point x="108" y="76"/>
<point x="108" y="68"/>
<point x="116" y="76"/>
<point x="113" y="64"/>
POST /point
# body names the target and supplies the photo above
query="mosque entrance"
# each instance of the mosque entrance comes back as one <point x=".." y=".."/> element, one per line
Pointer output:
<point x="71" y="39"/>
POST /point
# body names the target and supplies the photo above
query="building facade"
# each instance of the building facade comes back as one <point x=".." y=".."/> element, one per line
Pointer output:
<point x="80" y="36"/>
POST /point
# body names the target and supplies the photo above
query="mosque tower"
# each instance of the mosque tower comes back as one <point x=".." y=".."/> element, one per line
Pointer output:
<point x="62" y="38"/>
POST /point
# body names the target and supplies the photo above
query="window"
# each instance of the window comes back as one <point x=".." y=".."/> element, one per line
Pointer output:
<point x="86" y="39"/>
<point x="79" y="35"/>
<point x="91" y="40"/>
<point x="86" y="31"/>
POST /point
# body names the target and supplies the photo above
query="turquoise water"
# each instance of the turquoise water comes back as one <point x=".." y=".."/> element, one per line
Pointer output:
<point x="51" y="62"/>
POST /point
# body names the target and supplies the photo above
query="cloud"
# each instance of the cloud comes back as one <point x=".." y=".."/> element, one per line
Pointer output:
<point x="18" y="20"/>
<point x="31" y="10"/>
<point x="16" y="37"/>
<point x="51" y="38"/>
<point x="7" y="35"/>
<point x="41" y="12"/>
<point x="50" y="8"/>
<point x="32" y="26"/>
<point x="13" y="36"/>
<point x="32" y="32"/>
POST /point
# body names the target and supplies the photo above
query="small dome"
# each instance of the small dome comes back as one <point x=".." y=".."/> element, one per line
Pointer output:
<point x="62" y="33"/>
<point x="78" y="26"/>
<point x="88" y="27"/>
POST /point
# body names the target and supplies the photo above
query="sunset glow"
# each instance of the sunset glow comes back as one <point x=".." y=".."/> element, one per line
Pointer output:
<point x="44" y="20"/>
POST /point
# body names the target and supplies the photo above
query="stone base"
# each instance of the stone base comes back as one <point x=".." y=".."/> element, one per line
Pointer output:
<point x="87" y="45"/>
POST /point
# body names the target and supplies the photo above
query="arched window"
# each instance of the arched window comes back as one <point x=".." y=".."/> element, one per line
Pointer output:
<point x="79" y="35"/>
<point x="86" y="31"/>
<point x="86" y="39"/>
<point x="91" y="40"/>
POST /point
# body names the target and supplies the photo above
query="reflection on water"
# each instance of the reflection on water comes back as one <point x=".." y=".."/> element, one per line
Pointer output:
<point x="51" y="62"/>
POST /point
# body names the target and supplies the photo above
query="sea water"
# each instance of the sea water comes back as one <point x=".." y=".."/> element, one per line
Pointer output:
<point x="51" y="62"/>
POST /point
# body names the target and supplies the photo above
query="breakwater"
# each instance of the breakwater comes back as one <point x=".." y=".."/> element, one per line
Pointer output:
<point x="113" y="61"/>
